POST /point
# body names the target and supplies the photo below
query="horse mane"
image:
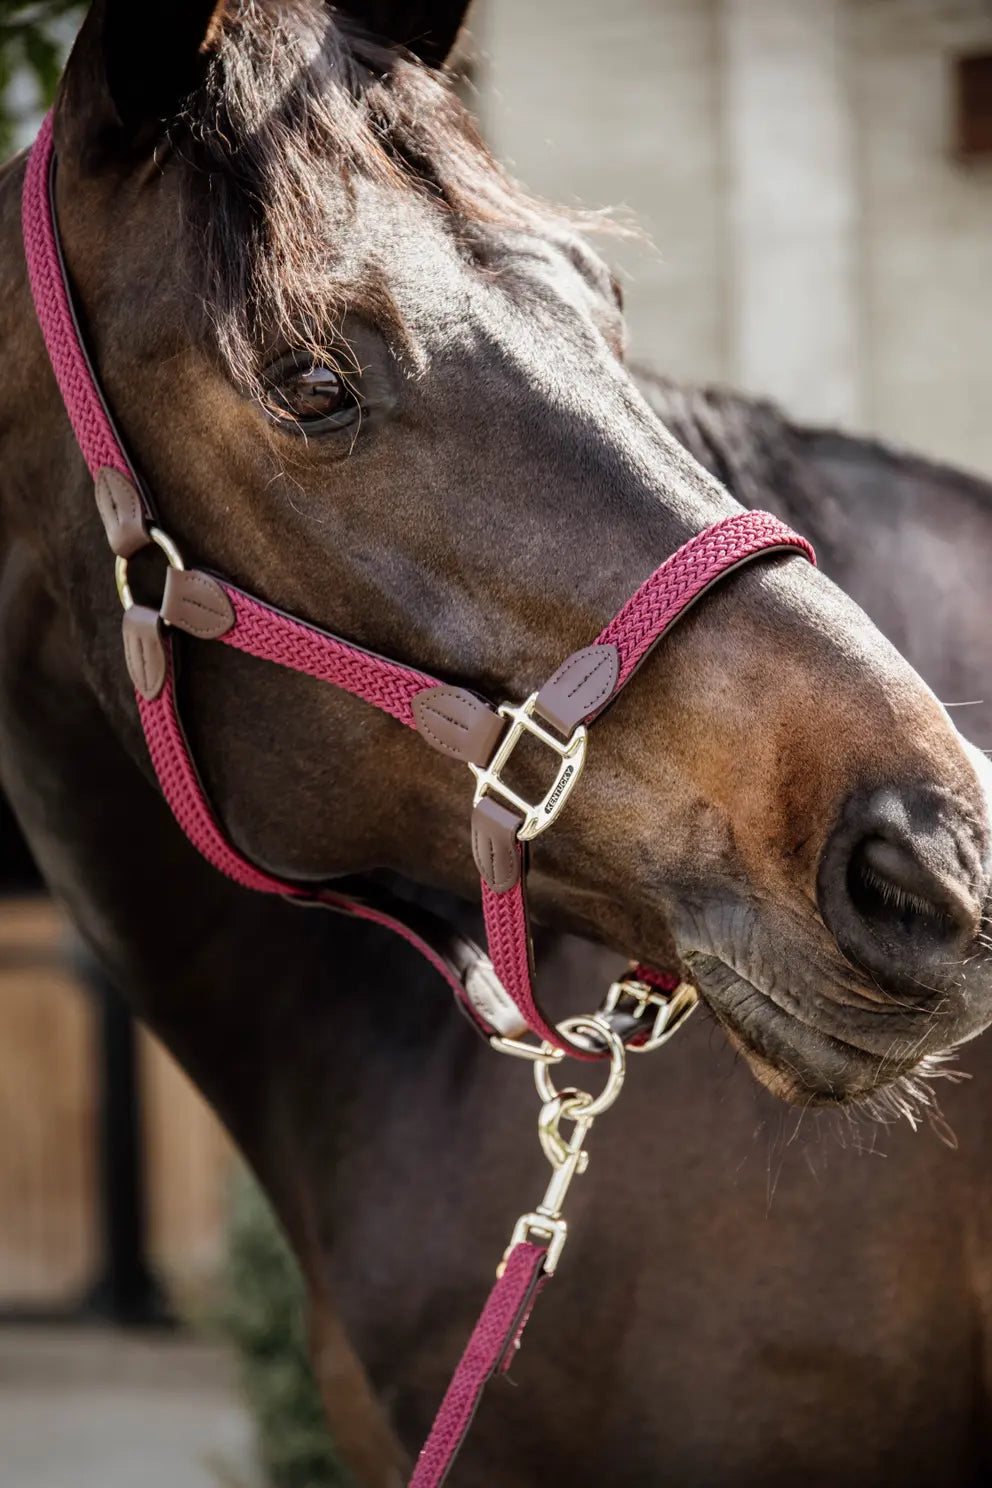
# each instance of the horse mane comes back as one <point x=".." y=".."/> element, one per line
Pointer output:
<point x="297" y="106"/>
<point x="746" y="443"/>
<point x="811" y="477"/>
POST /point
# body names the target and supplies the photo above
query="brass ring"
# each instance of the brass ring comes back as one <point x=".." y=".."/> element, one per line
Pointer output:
<point x="161" y="540"/>
<point x="585" y="1023"/>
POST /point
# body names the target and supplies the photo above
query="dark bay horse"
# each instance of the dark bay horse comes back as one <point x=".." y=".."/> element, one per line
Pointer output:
<point x="752" y="1298"/>
<point x="369" y="379"/>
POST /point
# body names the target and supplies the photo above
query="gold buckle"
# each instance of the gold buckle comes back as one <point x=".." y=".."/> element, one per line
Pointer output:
<point x="670" y="1009"/>
<point x="572" y="755"/>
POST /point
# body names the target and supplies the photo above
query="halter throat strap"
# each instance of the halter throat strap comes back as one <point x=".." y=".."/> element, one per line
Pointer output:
<point x="497" y="991"/>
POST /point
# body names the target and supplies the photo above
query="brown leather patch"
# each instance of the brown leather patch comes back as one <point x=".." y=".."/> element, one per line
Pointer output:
<point x="144" y="651"/>
<point x="194" y="602"/>
<point x="494" y="844"/>
<point x="119" y="506"/>
<point x="581" y="685"/>
<point x="457" y="723"/>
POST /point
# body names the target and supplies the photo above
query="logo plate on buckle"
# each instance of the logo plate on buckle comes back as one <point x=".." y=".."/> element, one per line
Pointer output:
<point x="572" y="756"/>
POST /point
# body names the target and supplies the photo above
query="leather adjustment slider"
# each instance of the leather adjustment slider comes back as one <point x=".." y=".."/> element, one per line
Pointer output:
<point x="196" y="603"/>
<point x="144" y="650"/>
<point x="494" y="844"/>
<point x="582" y="685"/>
<point x="121" y="512"/>
<point x="457" y="723"/>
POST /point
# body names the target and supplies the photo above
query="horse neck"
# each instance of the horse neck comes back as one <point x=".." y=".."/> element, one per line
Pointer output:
<point x="159" y="919"/>
<point x="911" y="541"/>
<point x="44" y="484"/>
<point x="879" y="520"/>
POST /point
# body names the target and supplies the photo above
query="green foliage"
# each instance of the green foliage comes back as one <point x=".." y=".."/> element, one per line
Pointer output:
<point x="34" y="35"/>
<point x="262" y="1316"/>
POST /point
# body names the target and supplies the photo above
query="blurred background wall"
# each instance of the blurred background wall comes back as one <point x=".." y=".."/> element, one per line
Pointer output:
<point x="816" y="176"/>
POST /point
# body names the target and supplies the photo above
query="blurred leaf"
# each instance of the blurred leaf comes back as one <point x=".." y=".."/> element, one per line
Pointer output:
<point x="262" y="1316"/>
<point x="44" y="58"/>
<point x="6" y="124"/>
<point x="34" y="38"/>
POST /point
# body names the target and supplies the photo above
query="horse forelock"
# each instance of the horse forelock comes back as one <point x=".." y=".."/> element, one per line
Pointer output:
<point x="296" y="110"/>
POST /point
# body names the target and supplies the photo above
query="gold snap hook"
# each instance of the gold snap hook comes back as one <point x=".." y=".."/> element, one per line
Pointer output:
<point x="569" y="1105"/>
<point x="546" y="1225"/>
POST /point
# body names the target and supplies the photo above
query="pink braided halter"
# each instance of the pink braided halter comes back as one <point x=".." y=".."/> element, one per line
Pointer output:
<point x="498" y="992"/>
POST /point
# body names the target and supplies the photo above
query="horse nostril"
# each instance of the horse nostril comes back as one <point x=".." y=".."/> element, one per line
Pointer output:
<point x="892" y="890"/>
<point x="900" y="886"/>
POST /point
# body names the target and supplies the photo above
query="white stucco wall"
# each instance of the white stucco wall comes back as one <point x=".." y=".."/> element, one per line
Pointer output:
<point x="792" y="161"/>
<point x="926" y="237"/>
<point x="792" y="207"/>
<point x="619" y="105"/>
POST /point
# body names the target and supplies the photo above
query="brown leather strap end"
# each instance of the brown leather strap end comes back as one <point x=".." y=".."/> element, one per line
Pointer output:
<point x="194" y="602"/>
<point x="457" y="723"/>
<point x="144" y="650"/>
<point x="581" y="686"/>
<point x="494" y="844"/>
<point x="119" y="506"/>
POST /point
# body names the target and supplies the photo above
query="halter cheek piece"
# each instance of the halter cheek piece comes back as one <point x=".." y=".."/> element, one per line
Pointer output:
<point x="497" y="991"/>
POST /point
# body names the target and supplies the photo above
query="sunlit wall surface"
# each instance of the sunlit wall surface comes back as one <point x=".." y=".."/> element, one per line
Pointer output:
<point x="819" y="235"/>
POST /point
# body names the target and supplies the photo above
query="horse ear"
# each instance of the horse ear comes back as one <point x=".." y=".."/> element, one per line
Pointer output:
<point x="144" y="58"/>
<point x="427" y="28"/>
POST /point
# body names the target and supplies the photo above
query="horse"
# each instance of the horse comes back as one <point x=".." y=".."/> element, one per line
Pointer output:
<point x="770" y="1300"/>
<point x="920" y="574"/>
<point x="367" y="378"/>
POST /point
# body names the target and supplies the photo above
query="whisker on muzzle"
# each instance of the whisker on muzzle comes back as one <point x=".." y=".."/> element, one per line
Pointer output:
<point x="912" y="1098"/>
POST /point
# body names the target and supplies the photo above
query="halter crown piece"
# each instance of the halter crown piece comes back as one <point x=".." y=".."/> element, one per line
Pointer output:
<point x="496" y="991"/>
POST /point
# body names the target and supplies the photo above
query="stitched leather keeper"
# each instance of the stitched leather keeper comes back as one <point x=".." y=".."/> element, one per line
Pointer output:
<point x="119" y="506"/>
<point x="582" y="685"/>
<point x="494" y="844"/>
<point x="194" y="602"/>
<point x="457" y="723"/>
<point x="144" y="650"/>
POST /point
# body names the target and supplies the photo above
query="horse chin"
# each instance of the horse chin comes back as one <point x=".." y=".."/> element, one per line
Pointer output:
<point x="798" y="1062"/>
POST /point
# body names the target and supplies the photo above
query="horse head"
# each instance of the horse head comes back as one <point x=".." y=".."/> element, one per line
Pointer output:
<point x="369" y="378"/>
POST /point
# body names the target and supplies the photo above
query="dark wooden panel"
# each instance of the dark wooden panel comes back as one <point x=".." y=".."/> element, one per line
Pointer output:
<point x="973" y="79"/>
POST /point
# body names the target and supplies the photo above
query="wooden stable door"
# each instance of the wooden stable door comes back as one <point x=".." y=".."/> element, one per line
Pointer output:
<point x="49" y="1102"/>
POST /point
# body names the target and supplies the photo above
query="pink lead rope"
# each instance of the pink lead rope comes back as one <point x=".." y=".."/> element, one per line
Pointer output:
<point x="498" y="993"/>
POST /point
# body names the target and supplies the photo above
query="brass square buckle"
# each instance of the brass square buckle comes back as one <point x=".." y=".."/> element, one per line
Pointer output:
<point x="668" y="1010"/>
<point x="572" y="755"/>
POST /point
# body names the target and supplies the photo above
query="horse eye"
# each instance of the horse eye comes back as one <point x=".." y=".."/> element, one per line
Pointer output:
<point x="309" y="395"/>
